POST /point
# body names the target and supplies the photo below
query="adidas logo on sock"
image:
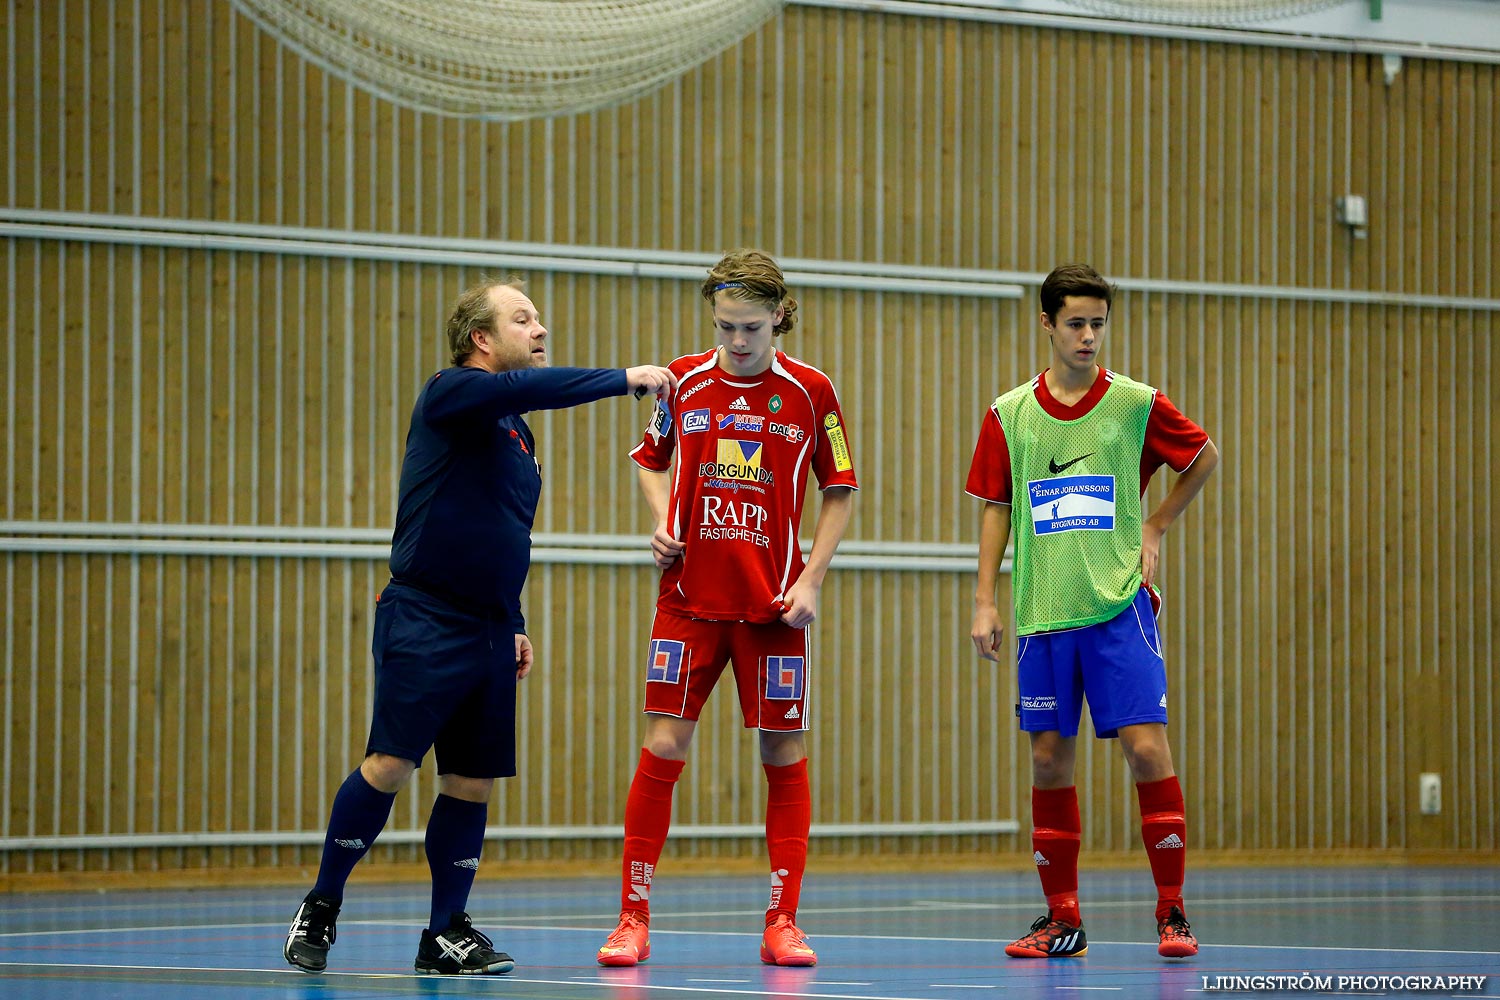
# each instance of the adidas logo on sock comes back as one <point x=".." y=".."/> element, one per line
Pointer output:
<point x="470" y="863"/>
<point x="353" y="845"/>
<point x="1171" y="840"/>
<point x="739" y="404"/>
<point x="792" y="713"/>
<point x="1040" y="859"/>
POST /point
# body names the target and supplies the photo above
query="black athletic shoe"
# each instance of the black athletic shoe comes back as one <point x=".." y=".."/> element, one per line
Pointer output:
<point x="460" y="950"/>
<point x="312" y="933"/>
<point x="1050" y="938"/>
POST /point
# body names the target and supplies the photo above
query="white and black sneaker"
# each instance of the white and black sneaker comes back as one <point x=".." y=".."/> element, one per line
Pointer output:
<point x="312" y="934"/>
<point x="460" y="950"/>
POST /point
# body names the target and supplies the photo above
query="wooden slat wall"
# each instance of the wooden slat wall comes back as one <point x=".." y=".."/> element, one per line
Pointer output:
<point x="1332" y="614"/>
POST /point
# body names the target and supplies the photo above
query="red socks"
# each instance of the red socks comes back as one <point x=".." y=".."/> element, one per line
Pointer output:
<point x="1164" y="832"/>
<point x="788" y="817"/>
<point x="648" y="814"/>
<point x="1056" y="831"/>
<point x="1055" y="834"/>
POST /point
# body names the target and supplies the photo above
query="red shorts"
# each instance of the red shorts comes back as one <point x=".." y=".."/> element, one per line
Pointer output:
<point x="687" y="656"/>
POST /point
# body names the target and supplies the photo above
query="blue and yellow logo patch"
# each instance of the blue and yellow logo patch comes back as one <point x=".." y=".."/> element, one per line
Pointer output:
<point x="737" y="460"/>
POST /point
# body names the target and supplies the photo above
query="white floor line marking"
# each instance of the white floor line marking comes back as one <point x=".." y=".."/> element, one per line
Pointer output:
<point x="926" y="905"/>
<point x="922" y="904"/>
<point x="1196" y="903"/>
<point x="280" y="932"/>
<point x="760" y="991"/>
<point x="753" y="991"/>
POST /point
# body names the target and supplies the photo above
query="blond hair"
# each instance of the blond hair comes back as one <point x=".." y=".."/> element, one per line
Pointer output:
<point x="752" y="276"/>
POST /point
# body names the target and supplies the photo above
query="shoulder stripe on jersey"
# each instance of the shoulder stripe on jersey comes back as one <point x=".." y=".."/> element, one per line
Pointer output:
<point x="776" y="366"/>
<point x="706" y="365"/>
<point x="779" y="369"/>
<point x="1196" y="454"/>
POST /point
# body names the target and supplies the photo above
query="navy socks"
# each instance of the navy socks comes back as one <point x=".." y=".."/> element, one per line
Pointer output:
<point x="358" y="815"/>
<point x="455" y="838"/>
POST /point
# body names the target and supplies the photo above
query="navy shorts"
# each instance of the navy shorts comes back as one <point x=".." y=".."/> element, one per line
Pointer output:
<point x="1116" y="664"/>
<point x="446" y="679"/>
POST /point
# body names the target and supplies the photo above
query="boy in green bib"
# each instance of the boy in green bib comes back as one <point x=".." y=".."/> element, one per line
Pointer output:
<point x="1061" y="464"/>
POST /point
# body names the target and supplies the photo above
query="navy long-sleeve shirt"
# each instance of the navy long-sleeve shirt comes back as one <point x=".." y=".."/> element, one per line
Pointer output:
<point x="470" y="482"/>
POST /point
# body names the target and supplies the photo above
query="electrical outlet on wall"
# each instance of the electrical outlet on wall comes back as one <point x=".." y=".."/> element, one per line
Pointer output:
<point x="1430" y="793"/>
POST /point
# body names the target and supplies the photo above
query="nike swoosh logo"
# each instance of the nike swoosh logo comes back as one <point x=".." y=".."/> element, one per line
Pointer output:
<point x="1052" y="463"/>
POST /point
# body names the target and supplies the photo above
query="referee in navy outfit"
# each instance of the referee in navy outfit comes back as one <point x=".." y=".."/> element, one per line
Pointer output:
<point x="450" y="640"/>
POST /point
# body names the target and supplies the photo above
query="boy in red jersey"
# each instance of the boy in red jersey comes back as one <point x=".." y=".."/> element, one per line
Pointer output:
<point x="1062" y="462"/>
<point x="747" y="424"/>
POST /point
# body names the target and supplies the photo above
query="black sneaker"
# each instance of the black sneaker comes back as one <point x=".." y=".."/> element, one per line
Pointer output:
<point x="460" y="950"/>
<point x="1050" y="938"/>
<point x="312" y="933"/>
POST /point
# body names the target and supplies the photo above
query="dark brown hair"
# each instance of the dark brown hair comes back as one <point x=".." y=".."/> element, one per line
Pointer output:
<point x="1074" y="279"/>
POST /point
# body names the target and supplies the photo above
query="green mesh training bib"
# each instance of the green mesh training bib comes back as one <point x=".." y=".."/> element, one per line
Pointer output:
<point x="1075" y="510"/>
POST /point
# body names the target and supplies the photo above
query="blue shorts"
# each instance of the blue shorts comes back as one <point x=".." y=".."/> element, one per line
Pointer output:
<point x="444" y="679"/>
<point x="1117" y="664"/>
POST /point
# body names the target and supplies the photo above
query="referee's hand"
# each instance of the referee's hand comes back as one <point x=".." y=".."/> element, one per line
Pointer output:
<point x="524" y="656"/>
<point x="653" y="379"/>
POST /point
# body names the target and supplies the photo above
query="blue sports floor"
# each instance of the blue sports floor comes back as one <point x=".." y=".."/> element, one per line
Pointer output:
<point x="879" y="936"/>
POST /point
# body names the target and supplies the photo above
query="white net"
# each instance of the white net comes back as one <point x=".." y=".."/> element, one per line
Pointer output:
<point x="1204" y="11"/>
<point x="509" y="59"/>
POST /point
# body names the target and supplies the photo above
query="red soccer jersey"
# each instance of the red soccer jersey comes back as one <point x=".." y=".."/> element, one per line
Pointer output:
<point x="744" y="447"/>
<point x="1171" y="439"/>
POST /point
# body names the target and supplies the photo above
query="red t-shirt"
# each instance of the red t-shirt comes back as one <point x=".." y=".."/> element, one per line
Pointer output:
<point x="744" y="448"/>
<point x="1171" y="439"/>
